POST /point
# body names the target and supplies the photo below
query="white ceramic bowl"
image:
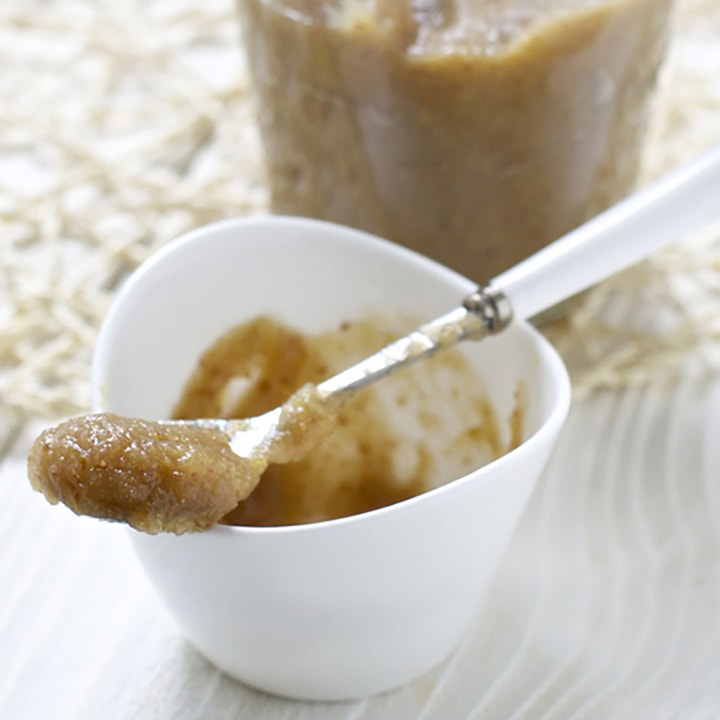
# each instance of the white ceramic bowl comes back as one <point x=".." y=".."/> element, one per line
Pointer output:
<point x="350" y="607"/>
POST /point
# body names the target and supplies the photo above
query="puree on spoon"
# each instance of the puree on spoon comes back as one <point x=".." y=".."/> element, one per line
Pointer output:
<point x="162" y="476"/>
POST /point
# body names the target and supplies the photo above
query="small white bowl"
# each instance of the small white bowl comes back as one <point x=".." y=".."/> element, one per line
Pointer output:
<point x="350" y="607"/>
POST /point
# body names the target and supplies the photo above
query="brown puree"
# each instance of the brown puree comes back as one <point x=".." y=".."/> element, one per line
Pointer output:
<point x="154" y="477"/>
<point x="366" y="463"/>
<point x="158" y="476"/>
<point x="475" y="131"/>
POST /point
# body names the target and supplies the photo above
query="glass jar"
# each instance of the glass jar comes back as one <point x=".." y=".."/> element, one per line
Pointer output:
<point x="474" y="131"/>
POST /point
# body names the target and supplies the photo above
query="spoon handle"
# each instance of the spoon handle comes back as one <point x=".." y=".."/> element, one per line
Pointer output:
<point x="680" y="203"/>
<point x="482" y="313"/>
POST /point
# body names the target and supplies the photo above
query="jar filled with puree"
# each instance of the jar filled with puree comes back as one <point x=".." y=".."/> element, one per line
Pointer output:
<point x="473" y="131"/>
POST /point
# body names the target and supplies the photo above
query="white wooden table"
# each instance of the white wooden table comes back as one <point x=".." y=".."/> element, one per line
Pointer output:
<point x="607" y="605"/>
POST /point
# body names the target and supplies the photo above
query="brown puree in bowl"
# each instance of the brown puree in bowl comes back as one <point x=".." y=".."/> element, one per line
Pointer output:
<point x="176" y="478"/>
<point x="474" y="131"/>
<point x="367" y="462"/>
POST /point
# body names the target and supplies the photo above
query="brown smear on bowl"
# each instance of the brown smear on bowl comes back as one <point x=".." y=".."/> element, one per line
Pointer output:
<point x="448" y="425"/>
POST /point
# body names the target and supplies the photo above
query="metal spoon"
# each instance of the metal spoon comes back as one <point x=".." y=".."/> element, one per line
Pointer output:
<point x="185" y="479"/>
<point x="682" y="202"/>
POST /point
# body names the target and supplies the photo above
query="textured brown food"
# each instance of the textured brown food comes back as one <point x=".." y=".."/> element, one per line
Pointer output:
<point x="474" y="131"/>
<point x="152" y="476"/>
<point x="306" y="419"/>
